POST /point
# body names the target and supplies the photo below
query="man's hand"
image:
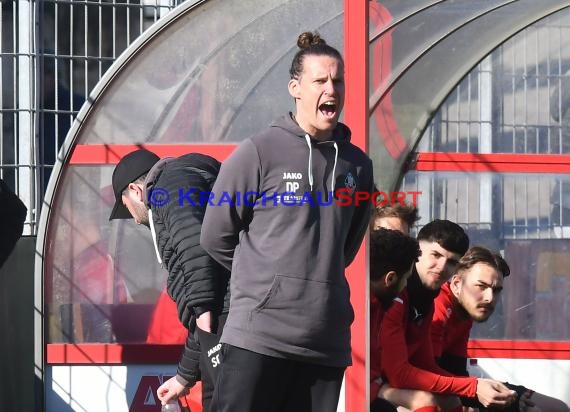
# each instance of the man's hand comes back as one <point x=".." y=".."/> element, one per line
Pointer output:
<point x="170" y="390"/>
<point x="204" y="321"/>
<point x="525" y="404"/>
<point x="494" y="394"/>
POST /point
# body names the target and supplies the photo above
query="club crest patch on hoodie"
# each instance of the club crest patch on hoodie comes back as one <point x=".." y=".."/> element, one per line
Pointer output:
<point x="350" y="183"/>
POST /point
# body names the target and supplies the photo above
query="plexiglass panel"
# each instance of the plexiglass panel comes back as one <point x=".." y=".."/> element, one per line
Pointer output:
<point x="103" y="279"/>
<point x="525" y="206"/>
<point x="529" y="225"/>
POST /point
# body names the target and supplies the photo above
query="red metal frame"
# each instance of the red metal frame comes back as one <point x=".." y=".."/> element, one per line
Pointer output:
<point x="492" y="162"/>
<point x="116" y="354"/>
<point x="518" y="349"/>
<point x="110" y="154"/>
<point x="111" y="354"/>
<point x="356" y="117"/>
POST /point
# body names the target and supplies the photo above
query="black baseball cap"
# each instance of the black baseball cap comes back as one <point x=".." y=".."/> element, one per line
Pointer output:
<point x="130" y="168"/>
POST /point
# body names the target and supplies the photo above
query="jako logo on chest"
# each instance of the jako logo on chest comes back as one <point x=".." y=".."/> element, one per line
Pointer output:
<point x="292" y="176"/>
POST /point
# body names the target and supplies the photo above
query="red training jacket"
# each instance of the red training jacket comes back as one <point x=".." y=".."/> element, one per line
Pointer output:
<point x="449" y="330"/>
<point x="407" y="356"/>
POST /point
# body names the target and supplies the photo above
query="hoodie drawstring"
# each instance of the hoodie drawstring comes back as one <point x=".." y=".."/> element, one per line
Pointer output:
<point x="334" y="167"/>
<point x="310" y="171"/>
<point x="153" y="233"/>
<point x="310" y="167"/>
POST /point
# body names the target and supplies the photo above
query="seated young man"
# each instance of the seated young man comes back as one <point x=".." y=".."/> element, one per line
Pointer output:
<point x="407" y="358"/>
<point x="392" y="255"/>
<point x="471" y="296"/>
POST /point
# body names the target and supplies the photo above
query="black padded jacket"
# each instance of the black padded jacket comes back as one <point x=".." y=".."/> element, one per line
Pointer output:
<point x="175" y="192"/>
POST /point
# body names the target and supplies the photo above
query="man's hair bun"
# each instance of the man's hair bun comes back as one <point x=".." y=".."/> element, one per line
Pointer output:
<point x="308" y="39"/>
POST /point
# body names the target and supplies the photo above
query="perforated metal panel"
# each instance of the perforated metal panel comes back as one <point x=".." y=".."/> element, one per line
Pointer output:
<point x="52" y="54"/>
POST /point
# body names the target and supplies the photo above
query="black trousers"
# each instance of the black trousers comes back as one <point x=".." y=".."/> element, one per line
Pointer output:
<point x="381" y="405"/>
<point x="210" y="357"/>
<point x="251" y="382"/>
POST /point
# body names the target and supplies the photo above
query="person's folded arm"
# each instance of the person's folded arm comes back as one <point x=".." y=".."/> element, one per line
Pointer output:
<point x="239" y="175"/>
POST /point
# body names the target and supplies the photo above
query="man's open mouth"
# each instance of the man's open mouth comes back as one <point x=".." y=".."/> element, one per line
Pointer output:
<point x="328" y="109"/>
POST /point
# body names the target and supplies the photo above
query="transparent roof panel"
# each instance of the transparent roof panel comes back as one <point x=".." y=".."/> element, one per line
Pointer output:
<point x="215" y="74"/>
<point x="419" y="57"/>
<point x="516" y="100"/>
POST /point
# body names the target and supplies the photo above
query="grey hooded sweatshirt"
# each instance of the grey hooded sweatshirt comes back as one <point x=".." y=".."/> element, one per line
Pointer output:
<point x="283" y="216"/>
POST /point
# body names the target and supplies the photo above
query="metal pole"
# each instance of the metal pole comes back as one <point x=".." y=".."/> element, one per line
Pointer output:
<point x="486" y="141"/>
<point x="356" y="117"/>
<point x="25" y="118"/>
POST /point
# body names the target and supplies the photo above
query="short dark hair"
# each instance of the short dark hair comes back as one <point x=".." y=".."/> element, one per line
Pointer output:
<point x="480" y="254"/>
<point x="407" y="213"/>
<point x="391" y="250"/>
<point x="311" y="44"/>
<point x="447" y="234"/>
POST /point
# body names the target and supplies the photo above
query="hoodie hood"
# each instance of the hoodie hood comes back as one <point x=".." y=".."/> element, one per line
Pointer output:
<point x="202" y="164"/>
<point x="152" y="177"/>
<point x="205" y="165"/>
<point x="340" y="135"/>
